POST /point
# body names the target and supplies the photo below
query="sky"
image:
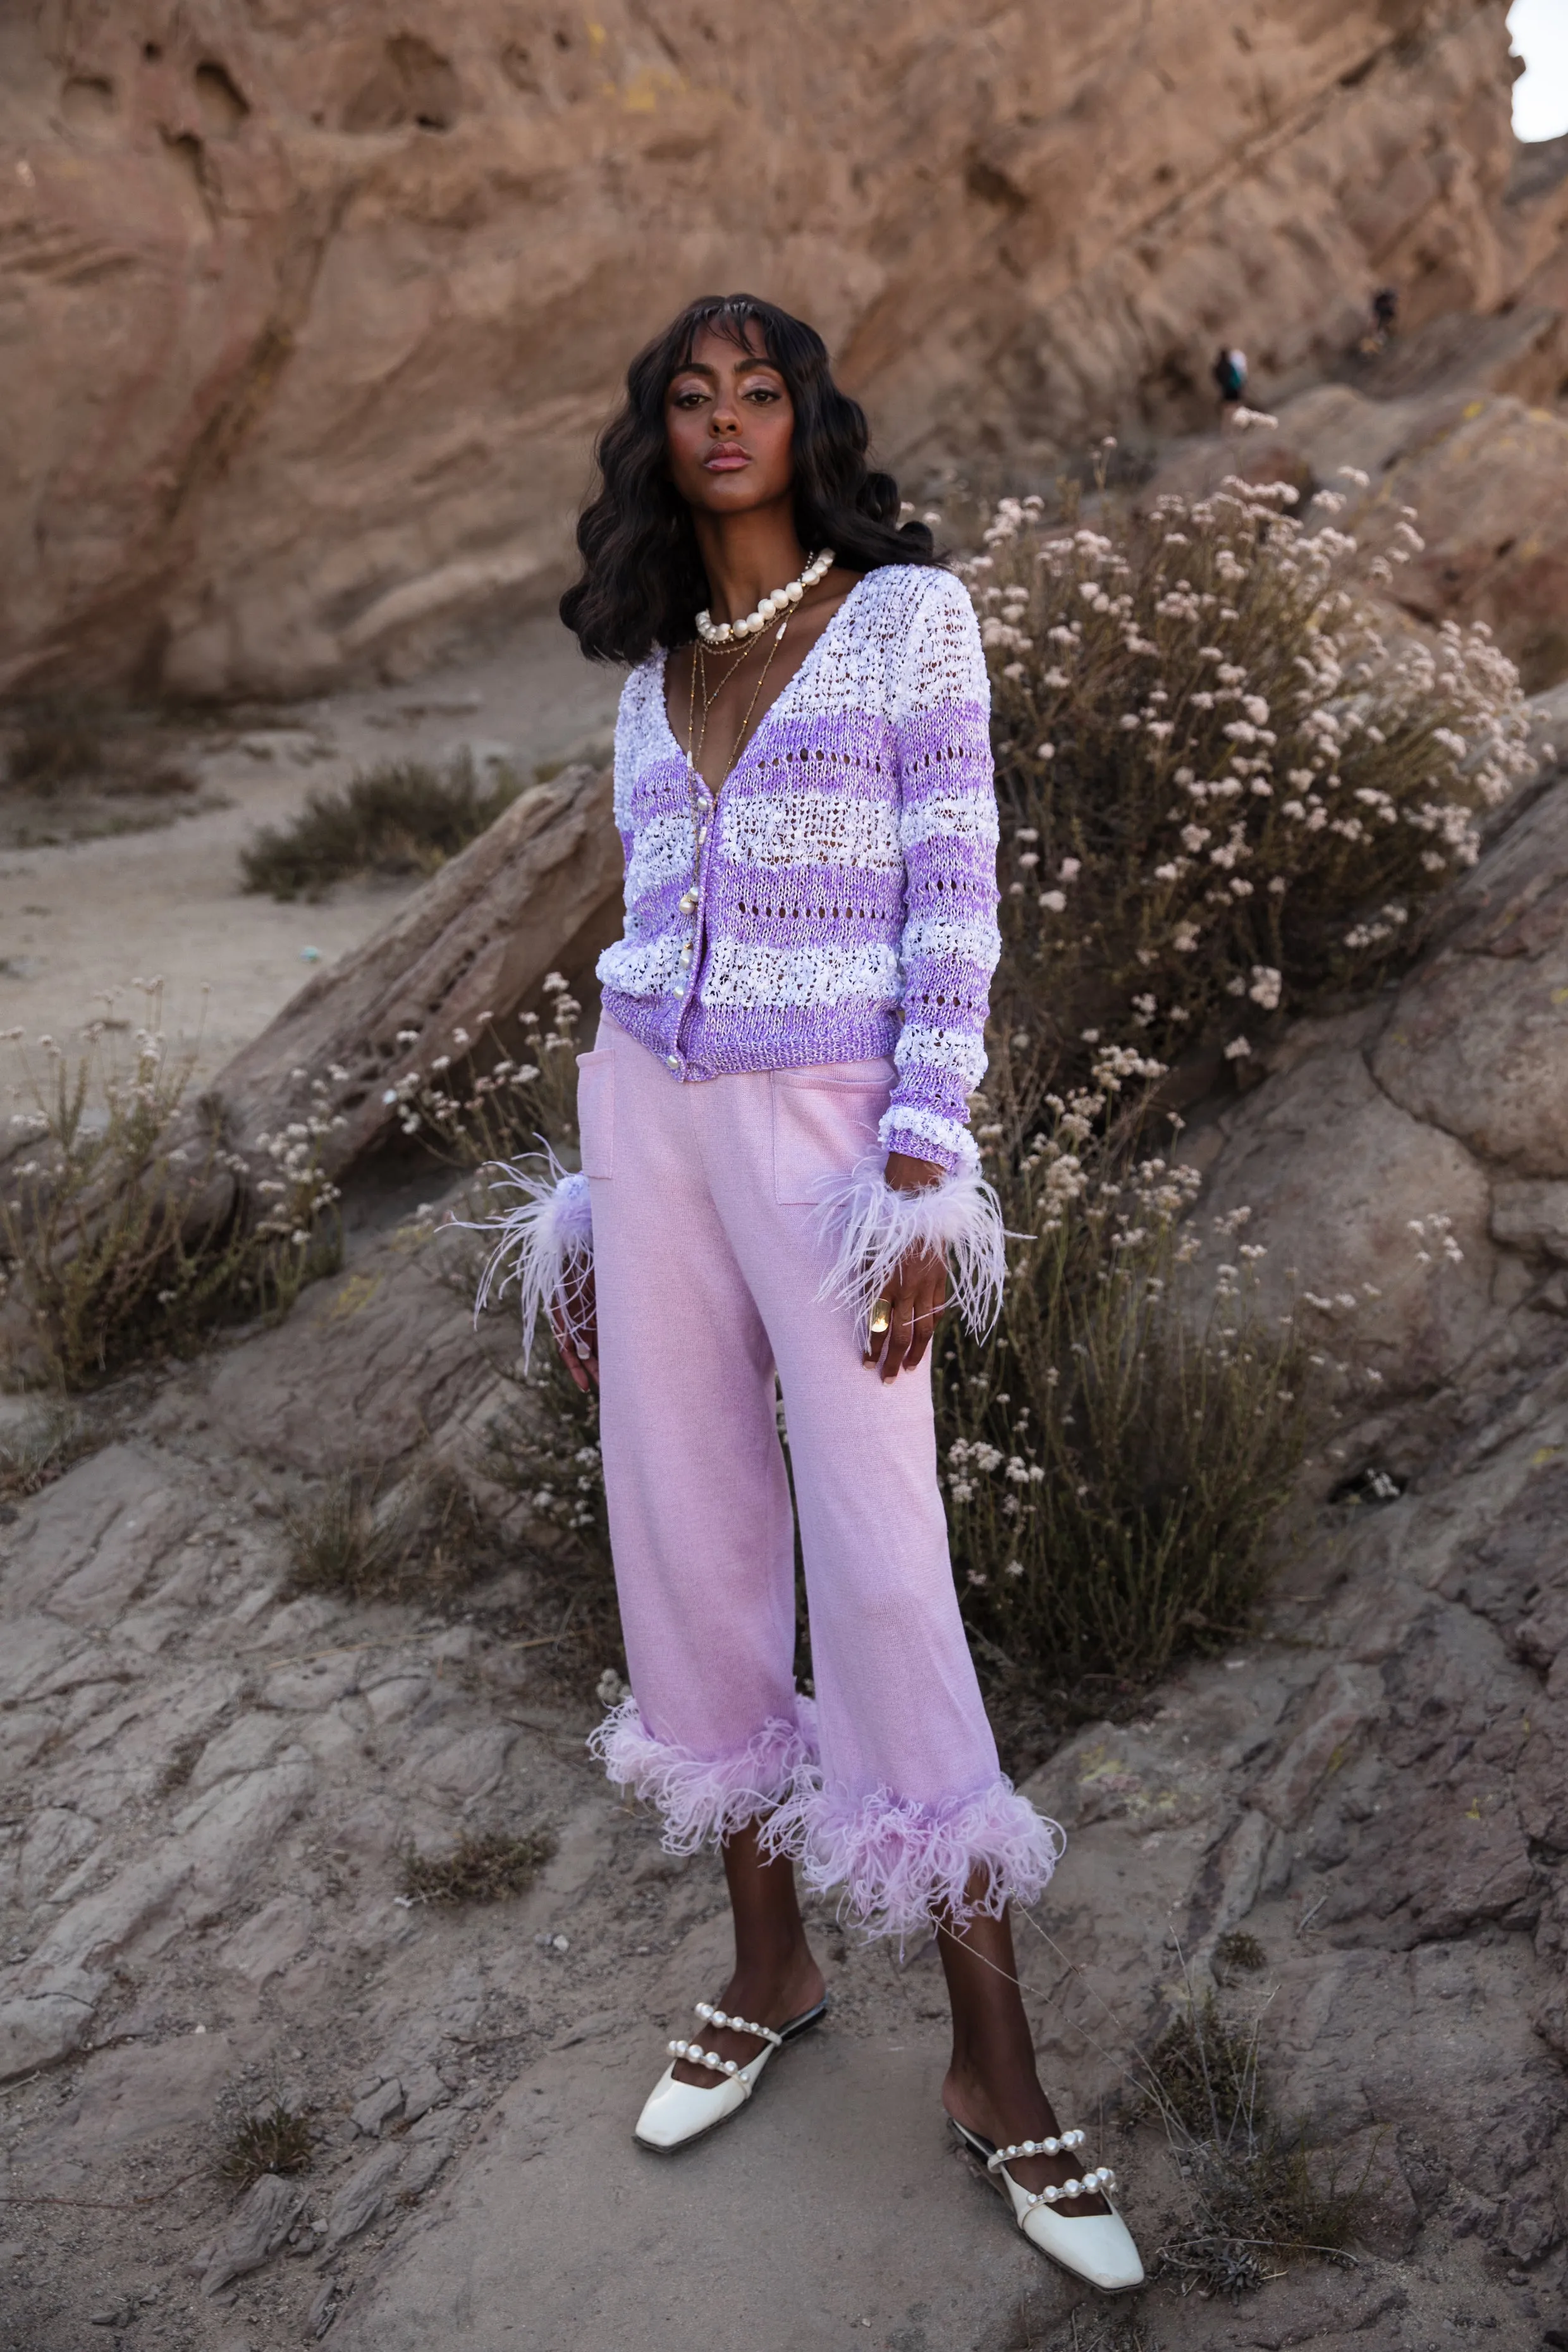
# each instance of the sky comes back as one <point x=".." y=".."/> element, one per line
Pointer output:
<point x="1539" y="30"/>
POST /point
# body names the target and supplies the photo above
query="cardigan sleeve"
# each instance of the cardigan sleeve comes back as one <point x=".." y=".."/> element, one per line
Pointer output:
<point x="948" y="831"/>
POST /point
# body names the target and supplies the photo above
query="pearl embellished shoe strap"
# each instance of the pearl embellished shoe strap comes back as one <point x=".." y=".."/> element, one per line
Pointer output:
<point x="1094" y="2183"/>
<point x="1062" y="2147"/>
<point x="711" y="2016"/>
<point x="695" y="2055"/>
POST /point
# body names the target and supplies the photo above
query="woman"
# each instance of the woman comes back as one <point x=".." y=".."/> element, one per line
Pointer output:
<point x="776" y="1165"/>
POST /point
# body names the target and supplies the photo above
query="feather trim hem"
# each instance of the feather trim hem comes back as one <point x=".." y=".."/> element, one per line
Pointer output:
<point x="703" y="1798"/>
<point x="872" y="1226"/>
<point x="899" y="1866"/>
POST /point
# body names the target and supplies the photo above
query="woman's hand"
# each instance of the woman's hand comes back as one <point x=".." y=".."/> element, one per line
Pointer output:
<point x="918" y="1291"/>
<point x="580" y="1355"/>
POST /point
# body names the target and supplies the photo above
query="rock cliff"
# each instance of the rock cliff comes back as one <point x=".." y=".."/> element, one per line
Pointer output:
<point x="310" y="313"/>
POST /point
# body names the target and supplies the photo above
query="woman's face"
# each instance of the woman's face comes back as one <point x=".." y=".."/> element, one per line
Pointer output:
<point x="730" y="427"/>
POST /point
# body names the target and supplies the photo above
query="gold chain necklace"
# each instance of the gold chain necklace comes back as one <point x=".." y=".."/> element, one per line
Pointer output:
<point x="704" y="804"/>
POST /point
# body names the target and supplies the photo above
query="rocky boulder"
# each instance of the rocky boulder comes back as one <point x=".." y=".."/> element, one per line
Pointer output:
<point x="315" y="312"/>
<point x="1407" y="1161"/>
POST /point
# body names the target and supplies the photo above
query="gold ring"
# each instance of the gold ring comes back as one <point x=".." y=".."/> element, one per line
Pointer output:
<point x="881" y="1315"/>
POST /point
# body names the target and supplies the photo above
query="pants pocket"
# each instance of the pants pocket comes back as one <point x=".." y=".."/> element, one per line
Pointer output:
<point x="596" y="1112"/>
<point x="824" y="1119"/>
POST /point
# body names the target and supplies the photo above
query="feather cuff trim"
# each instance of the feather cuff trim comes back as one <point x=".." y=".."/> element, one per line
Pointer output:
<point x="901" y="1865"/>
<point x="703" y="1798"/>
<point x="872" y="1227"/>
<point x="545" y="1246"/>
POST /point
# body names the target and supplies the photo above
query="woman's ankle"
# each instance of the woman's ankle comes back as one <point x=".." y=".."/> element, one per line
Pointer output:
<point x="788" y="1981"/>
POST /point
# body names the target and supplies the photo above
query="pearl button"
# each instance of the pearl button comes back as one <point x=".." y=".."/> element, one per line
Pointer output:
<point x="673" y="1060"/>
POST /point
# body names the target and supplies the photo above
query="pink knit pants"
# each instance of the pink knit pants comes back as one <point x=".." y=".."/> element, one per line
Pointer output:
<point x="707" y="1263"/>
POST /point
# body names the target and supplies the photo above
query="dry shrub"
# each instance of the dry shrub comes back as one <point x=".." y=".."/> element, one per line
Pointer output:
<point x="543" y="1444"/>
<point x="1226" y="788"/>
<point x="276" y="2141"/>
<point x="480" y="1869"/>
<point x="476" y="1106"/>
<point x="399" y="817"/>
<point x="1225" y="792"/>
<point x="1115" y="1454"/>
<point x="41" y="1448"/>
<point x="129" y="1229"/>
<point x="1257" y="2190"/>
<point x="78" y="770"/>
<point x="183" y="1760"/>
<point x="1086" y="2331"/>
<point x="55" y="747"/>
<point x="362" y="1538"/>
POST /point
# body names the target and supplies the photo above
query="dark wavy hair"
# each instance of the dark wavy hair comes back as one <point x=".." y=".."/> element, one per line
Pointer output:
<point x="643" y="581"/>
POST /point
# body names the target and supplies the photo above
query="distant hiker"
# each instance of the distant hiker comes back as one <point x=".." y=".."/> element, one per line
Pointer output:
<point x="1383" y="323"/>
<point x="1230" y="374"/>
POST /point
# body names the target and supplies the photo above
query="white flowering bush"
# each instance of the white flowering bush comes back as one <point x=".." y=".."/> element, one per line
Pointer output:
<point x="127" y="1227"/>
<point x="473" y="1107"/>
<point x="1111" y="1463"/>
<point x="478" y="1104"/>
<point x="1227" y="788"/>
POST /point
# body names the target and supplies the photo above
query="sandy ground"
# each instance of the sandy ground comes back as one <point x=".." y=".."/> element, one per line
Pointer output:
<point x="89" y="917"/>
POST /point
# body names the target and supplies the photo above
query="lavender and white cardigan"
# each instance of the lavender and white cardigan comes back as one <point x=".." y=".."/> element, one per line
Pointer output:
<point x="847" y="911"/>
<point x="848" y="904"/>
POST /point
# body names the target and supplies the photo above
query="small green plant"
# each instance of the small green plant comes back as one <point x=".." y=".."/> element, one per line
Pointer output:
<point x="1257" y="2188"/>
<point x="401" y="817"/>
<point x="480" y="1869"/>
<point x="40" y="1448"/>
<point x="276" y="2141"/>
<point x="361" y="1538"/>
<point x="129" y="1228"/>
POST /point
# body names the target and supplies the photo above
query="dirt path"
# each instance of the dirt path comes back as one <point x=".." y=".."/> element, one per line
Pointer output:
<point x="90" y="915"/>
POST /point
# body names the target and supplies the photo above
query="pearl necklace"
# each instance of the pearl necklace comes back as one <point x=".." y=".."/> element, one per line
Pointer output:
<point x="725" y="632"/>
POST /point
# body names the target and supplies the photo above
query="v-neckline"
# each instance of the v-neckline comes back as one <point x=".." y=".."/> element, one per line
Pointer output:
<point x="774" y="706"/>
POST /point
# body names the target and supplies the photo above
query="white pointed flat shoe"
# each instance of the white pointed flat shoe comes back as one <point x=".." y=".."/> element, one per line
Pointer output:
<point x="675" y="2114"/>
<point x="1095" y="2247"/>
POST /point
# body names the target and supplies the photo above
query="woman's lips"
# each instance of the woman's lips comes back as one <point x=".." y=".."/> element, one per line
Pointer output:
<point x="726" y="461"/>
